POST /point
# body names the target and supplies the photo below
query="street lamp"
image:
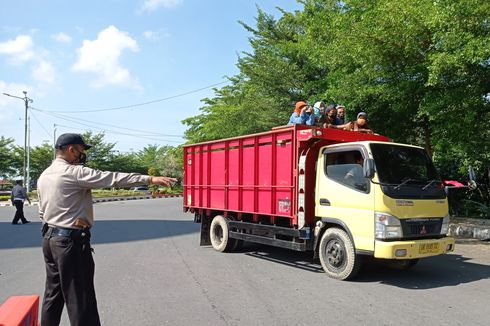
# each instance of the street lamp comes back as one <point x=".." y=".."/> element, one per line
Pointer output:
<point x="26" y="167"/>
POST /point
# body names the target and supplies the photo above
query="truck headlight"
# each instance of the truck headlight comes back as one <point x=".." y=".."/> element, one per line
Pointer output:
<point x="387" y="226"/>
<point x="445" y="225"/>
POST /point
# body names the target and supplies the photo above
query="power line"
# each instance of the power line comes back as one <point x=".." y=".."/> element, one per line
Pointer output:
<point x="132" y="105"/>
<point x="120" y="133"/>
<point x="40" y="124"/>
<point x="111" y="131"/>
<point x="64" y="117"/>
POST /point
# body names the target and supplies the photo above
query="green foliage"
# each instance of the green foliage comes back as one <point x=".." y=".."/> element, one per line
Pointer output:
<point x="421" y="69"/>
<point x="40" y="158"/>
<point x="6" y="158"/>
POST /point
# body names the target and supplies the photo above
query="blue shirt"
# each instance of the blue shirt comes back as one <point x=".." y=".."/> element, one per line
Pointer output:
<point x="302" y="119"/>
<point x="295" y="119"/>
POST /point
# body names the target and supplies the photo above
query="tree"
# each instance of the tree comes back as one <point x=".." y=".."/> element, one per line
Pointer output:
<point x="420" y="69"/>
<point x="40" y="158"/>
<point x="6" y="157"/>
<point x="101" y="154"/>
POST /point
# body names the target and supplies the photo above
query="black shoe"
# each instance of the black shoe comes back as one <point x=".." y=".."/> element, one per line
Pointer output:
<point x="14" y="223"/>
<point x="26" y="222"/>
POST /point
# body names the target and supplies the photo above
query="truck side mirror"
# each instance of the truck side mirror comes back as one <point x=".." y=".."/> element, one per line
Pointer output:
<point x="472" y="176"/>
<point x="471" y="173"/>
<point x="368" y="168"/>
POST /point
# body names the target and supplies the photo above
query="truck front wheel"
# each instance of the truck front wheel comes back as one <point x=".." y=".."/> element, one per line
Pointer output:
<point x="218" y="233"/>
<point x="337" y="255"/>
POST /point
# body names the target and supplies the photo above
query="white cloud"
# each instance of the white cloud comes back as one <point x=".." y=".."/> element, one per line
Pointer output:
<point x="61" y="37"/>
<point x="155" y="35"/>
<point x="19" y="50"/>
<point x="150" y="35"/>
<point x="44" y="72"/>
<point x="152" y="5"/>
<point x="101" y="57"/>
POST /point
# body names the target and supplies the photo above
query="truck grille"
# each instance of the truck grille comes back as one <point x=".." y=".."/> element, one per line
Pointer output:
<point x="421" y="227"/>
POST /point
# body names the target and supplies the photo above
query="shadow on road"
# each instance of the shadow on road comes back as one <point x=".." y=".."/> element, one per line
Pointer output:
<point x="429" y="273"/>
<point x="29" y="235"/>
<point x="435" y="272"/>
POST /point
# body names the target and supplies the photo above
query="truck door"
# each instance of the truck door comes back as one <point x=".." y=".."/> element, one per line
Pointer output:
<point x="344" y="195"/>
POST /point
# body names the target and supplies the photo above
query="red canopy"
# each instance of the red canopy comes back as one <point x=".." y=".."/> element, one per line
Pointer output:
<point x="453" y="183"/>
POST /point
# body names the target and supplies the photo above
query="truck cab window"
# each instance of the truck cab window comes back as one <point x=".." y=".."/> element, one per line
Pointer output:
<point x="345" y="167"/>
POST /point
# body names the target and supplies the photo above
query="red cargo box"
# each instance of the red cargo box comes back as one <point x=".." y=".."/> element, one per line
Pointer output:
<point x="20" y="311"/>
<point x="260" y="174"/>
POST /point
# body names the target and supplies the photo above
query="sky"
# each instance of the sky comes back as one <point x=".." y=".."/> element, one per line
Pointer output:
<point x="82" y="62"/>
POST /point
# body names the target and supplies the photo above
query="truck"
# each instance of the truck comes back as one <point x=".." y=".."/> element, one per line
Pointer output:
<point x="342" y="195"/>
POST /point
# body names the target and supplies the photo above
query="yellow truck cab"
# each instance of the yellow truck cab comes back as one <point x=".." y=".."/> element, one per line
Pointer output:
<point x="388" y="197"/>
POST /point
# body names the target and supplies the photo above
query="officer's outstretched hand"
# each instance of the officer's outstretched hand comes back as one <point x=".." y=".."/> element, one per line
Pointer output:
<point x="162" y="181"/>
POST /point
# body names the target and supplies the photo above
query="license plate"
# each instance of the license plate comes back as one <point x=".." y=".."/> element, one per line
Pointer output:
<point x="428" y="248"/>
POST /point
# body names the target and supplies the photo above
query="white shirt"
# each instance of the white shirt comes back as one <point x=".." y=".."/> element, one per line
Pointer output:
<point x="64" y="191"/>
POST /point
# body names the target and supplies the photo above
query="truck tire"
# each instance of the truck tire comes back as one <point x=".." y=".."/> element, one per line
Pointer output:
<point x="218" y="233"/>
<point x="401" y="265"/>
<point x="337" y="255"/>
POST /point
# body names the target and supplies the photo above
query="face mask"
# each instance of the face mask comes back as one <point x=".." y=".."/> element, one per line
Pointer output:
<point x="82" y="158"/>
<point x="316" y="111"/>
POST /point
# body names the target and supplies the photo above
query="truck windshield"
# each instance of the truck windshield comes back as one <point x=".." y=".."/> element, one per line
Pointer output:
<point x="406" y="172"/>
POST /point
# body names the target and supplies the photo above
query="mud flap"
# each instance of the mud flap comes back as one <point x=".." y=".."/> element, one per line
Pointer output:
<point x="205" y="225"/>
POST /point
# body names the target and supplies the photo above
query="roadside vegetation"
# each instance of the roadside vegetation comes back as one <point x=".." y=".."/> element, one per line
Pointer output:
<point x="420" y="69"/>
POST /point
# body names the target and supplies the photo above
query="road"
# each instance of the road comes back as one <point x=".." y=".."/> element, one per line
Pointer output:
<point x="150" y="270"/>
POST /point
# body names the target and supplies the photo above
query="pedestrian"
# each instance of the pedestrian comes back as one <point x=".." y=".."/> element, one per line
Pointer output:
<point x="18" y="196"/>
<point x="65" y="207"/>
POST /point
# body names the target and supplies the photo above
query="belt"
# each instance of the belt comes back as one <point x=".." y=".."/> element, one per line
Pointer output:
<point x="62" y="232"/>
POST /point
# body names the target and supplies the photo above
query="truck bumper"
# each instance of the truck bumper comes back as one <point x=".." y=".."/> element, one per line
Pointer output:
<point x="413" y="249"/>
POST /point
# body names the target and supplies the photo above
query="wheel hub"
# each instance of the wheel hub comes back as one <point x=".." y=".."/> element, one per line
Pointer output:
<point x="335" y="254"/>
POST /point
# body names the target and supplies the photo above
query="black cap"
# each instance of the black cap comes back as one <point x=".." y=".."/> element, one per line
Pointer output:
<point x="70" y="139"/>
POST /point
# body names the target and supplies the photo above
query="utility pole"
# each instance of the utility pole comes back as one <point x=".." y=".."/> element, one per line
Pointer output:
<point x="28" y="182"/>
<point x="54" y="141"/>
<point x="26" y="167"/>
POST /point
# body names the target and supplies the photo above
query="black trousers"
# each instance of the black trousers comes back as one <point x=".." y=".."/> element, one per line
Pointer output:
<point x="69" y="279"/>
<point x="19" y="212"/>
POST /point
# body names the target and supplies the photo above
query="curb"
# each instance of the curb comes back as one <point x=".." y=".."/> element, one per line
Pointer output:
<point x="108" y="199"/>
<point x="103" y="200"/>
<point x="469" y="228"/>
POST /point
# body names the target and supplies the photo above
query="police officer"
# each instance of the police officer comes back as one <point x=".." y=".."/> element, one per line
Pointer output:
<point x="18" y="196"/>
<point x="65" y="207"/>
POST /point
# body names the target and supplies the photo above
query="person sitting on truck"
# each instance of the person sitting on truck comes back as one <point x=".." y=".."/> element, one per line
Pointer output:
<point x="359" y="125"/>
<point x="308" y="116"/>
<point x="295" y="118"/>
<point x="341" y="113"/>
<point x="302" y="115"/>
<point x="319" y="112"/>
<point x="331" y="120"/>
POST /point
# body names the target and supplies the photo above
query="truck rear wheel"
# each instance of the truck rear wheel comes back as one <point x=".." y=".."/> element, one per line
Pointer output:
<point x="337" y="255"/>
<point x="218" y="233"/>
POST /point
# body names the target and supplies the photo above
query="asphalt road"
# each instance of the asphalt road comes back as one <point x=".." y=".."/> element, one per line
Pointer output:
<point x="150" y="270"/>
